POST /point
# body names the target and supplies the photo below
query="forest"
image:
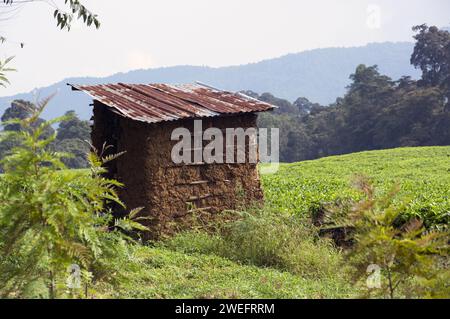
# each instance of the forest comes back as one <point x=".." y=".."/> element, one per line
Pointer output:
<point x="377" y="112"/>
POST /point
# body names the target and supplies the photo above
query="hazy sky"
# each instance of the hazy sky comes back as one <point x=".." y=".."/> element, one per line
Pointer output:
<point x="146" y="33"/>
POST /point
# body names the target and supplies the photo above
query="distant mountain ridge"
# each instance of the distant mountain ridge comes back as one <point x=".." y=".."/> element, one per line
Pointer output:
<point x="320" y="75"/>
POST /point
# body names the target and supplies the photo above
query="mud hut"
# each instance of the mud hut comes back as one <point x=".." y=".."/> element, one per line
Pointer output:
<point x="139" y="120"/>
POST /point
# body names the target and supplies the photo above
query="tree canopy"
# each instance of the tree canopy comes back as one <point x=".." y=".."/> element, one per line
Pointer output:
<point x="432" y="56"/>
<point x="71" y="137"/>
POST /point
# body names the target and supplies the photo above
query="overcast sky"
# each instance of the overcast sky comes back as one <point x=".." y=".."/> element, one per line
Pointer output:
<point x="146" y="33"/>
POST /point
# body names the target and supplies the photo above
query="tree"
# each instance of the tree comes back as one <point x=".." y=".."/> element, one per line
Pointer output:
<point x="72" y="137"/>
<point x="366" y="97"/>
<point x="73" y="128"/>
<point x="432" y="56"/>
<point x="284" y="106"/>
<point x="304" y="105"/>
<point x="19" y="110"/>
<point x="78" y="151"/>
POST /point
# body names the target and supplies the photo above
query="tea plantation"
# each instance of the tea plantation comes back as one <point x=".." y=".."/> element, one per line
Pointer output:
<point x="422" y="174"/>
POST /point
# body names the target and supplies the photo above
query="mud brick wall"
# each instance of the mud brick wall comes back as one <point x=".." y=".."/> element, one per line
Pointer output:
<point x="170" y="193"/>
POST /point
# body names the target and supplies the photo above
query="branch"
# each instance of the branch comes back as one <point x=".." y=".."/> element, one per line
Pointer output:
<point x="74" y="9"/>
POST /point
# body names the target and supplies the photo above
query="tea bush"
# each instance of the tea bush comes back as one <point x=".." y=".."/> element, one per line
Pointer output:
<point x="423" y="174"/>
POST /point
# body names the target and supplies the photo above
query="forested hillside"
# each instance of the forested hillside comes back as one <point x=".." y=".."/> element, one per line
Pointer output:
<point x="377" y="112"/>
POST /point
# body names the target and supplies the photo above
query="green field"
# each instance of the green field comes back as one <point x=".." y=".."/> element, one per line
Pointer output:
<point x="200" y="265"/>
<point x="422" y="173"/>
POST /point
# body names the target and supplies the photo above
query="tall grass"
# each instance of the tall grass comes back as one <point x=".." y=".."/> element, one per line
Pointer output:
<point x="267" y="239"/>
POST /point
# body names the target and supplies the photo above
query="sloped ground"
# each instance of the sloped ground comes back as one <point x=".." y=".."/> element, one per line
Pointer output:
<point x="161" y="273"/>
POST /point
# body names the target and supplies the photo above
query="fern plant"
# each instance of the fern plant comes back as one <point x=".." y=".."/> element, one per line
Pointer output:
<point x="409" y="258"/>
<point x="51" y="218"/>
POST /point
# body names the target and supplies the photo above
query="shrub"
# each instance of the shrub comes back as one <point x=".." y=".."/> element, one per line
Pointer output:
<point x="410" y="260"/>
<point x="51" y="220"/>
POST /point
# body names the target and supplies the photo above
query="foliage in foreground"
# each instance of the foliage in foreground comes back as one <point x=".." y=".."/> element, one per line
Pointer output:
<point x="404" y="258"/>
<point x="51" y="223"/>
<point x="3" y="70"/>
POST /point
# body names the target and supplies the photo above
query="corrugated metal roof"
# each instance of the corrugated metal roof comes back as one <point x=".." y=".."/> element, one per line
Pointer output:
<point x="153" y="103"/>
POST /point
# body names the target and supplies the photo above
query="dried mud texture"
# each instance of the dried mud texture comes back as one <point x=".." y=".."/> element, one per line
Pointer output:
<point x="171" y="194"/>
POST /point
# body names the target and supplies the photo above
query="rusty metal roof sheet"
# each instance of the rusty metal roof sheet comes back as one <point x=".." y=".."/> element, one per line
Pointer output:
<point x="153" y="103"/>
